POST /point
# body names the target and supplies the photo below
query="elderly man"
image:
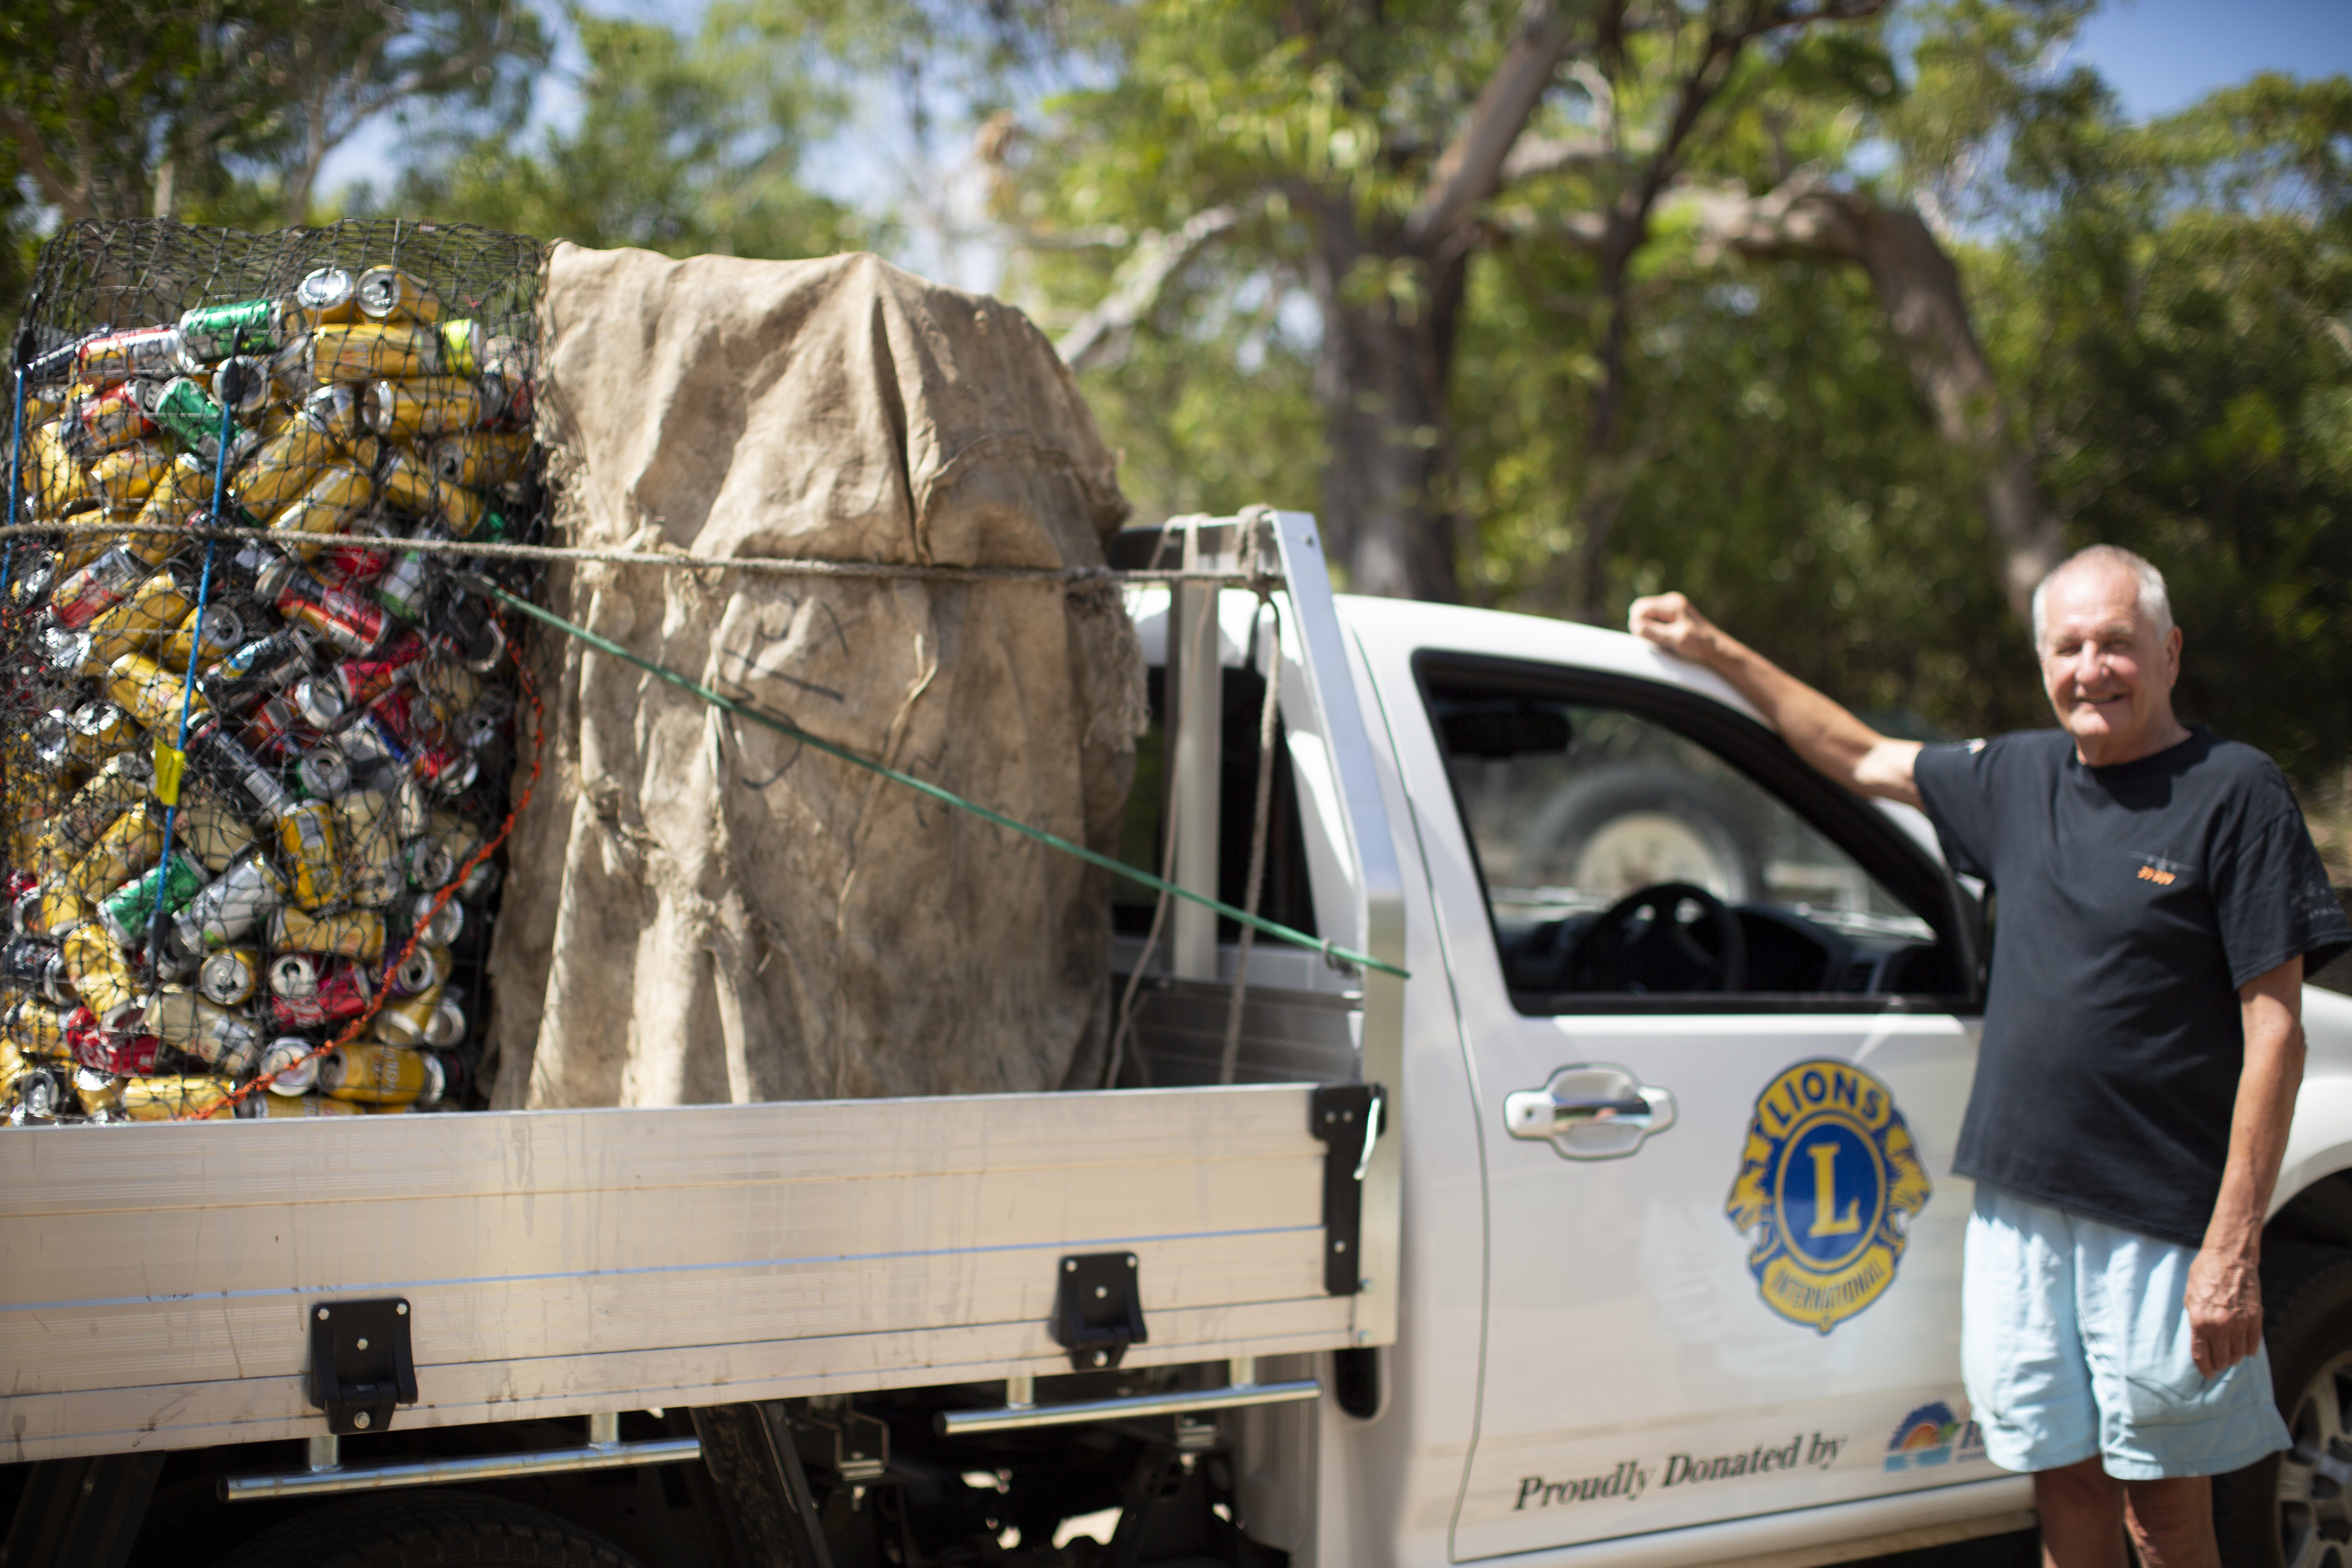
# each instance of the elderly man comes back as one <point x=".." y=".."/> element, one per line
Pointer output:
<point x="2158" y="896"/>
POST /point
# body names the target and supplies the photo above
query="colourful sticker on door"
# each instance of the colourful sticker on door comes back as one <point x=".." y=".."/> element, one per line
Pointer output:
<point x="1828" y="1184"/>
<point x="1932" y="1436"/>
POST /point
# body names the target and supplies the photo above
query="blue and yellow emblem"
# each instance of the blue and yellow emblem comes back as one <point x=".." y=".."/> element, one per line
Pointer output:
<point x="1827" y="1188"/>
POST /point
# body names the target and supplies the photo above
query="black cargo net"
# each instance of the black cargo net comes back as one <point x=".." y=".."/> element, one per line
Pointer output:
<point x="258" y="739"/>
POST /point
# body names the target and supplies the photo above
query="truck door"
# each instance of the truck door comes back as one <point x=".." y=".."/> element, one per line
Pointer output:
<point x="1716" y="1016"/>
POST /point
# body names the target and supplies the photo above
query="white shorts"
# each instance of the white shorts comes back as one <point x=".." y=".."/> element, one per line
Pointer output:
<point x="2073" y="1341"/>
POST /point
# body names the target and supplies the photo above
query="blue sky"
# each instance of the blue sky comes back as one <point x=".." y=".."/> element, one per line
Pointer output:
<point x="2163" y="55"/>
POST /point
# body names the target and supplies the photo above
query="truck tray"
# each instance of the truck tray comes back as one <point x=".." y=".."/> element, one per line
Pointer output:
<point x="160" y="1277"/>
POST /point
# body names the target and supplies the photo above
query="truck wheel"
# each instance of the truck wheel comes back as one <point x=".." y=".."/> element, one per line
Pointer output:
<point x="1626" y="827"/>
<point x="443" y="1529"/>
<point x="2294" y="1510"/>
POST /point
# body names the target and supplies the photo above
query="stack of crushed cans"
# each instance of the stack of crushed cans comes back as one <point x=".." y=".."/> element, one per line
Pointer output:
<point x="341" y="753"/>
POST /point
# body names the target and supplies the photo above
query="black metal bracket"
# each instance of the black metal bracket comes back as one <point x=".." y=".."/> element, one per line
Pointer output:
<point x="1347" y="1118"/>
<point x="361" y="1363"/>
<point x="1098" y="1308"/>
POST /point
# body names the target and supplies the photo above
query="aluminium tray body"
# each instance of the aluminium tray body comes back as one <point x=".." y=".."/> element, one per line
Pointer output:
<point x="158" y="1277"/>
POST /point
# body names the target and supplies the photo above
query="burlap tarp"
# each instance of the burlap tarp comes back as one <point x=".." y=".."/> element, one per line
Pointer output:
<point x="701" y="910"/>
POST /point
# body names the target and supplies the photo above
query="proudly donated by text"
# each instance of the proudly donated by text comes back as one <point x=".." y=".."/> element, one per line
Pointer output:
<point x="1632" y="1477"/>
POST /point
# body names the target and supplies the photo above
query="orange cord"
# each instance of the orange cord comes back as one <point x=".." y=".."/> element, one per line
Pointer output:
<point x="375" y="1004"/>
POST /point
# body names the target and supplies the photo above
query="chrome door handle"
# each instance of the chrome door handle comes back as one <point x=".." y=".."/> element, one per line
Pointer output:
<point x="1589" y="1113"/>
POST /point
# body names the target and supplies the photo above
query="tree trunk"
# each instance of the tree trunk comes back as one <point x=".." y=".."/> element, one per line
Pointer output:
<point x="1927" y="313"/>
<point x="1380" y="379"/>
<point x="1920" y="290"/>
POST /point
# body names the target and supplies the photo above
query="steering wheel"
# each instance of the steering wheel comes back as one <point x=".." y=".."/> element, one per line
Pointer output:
<point x="1641" y="944"/>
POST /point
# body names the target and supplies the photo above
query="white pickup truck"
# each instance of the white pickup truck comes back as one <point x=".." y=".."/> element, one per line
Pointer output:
<point x="1622" y="1233"/>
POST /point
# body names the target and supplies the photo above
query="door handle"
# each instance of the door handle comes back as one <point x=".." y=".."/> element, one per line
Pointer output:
<point x="1589" y="1113"/>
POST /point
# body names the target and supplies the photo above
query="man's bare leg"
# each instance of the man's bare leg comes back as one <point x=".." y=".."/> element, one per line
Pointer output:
<point x="2082" y="1510"/>
<point x="2172" y="1522"/>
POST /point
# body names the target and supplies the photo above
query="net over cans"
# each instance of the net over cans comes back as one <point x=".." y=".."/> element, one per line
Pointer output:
<point x="245" y="783"/>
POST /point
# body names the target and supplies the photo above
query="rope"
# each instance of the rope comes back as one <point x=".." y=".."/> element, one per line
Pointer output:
<point x="783" y="727"/>
<point x="1269" y="722"/>
<point x="770" y="565"/>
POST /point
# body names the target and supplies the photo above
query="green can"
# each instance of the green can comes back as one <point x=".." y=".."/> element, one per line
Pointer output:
<point x="210" y="332"/>
<point x="189" y="414"/>
<point x="126" y="910"/>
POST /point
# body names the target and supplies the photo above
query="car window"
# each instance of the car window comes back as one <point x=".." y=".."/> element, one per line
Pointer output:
<point x="1622" y="858"/>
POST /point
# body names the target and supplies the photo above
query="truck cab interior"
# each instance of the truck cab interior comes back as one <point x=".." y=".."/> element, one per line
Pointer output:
<point x="1645" y="848"/>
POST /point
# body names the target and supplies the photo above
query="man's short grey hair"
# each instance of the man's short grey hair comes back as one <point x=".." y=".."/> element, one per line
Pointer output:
<point x="2154" y="604"/>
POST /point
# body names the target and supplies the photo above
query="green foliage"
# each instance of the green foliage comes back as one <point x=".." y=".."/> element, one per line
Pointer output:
<point x="2175" y="324"/>
<point x="1786" y="479"/>
<point x="682" y="146"/>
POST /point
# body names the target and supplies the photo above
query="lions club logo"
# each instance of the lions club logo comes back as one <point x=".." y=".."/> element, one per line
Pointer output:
<point x="1827" y="1188"/>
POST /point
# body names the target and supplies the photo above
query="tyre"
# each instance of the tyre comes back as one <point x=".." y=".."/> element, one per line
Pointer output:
<point x="1621" y="828"/>
<point x="2294" y="1510"/>
<point x="442" y="1529"/>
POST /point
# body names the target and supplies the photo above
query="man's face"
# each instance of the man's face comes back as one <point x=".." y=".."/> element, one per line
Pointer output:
<point x="2107" y="669"/>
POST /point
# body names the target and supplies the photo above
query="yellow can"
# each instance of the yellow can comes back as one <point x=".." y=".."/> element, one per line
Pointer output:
<point x="388" y="294"/>
<point x="152" y="694"/>
<point x="125" y="478"/>
<point x="99" y="731"/>
<point x="223" y="635"/>
<point x="307" y="832"/>
<point x="185" y="490"/>
<point x="62" y="909"/>
<point x="369" y="840"/>
<point x="481" y="459"/>
<point x="39" y="1030"/>
<point x="403" y="1022"/>
<point x="347" y="933"/>
<point x="338" y="493"/>
<point x="130" y="845"/>
<point x="193" y="1098"/>
<point x="134" y="625"/>
<point x="461" y="348"/>
<point x="114" y="789"/>
<point x="98" y="1092"/>
<point x="284" y="468"/>
<point x="425" y="405"/>
<point x="55" y="480"/>
<point x="379" y="1075"/>
<point x="367" y="351"/>
<point x="213" y="834"/>
<point x="449" y="683"/>
<point x="102" y="975"/>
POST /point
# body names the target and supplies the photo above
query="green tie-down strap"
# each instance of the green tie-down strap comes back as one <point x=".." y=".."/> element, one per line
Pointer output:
<point x="1331" y="951"/>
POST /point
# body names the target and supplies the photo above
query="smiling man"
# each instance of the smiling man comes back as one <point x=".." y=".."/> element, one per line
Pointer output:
<point x="2158" y="896"/>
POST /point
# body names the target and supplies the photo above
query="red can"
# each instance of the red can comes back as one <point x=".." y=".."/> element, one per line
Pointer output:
<point x="98" y="587"/>
<point x="275" y="733"/>
<point x="365" y="680"/>
<point x="354" y="560"/>
<point x="122" y="1054"/>
<point x="119" y="356"/>
<point x="340" y="992"/>
<point x="113" y="418"/>
<point x="343" y="618"/>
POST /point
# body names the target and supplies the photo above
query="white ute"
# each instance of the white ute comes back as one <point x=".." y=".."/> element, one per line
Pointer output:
<point x="1622" y="1233"/>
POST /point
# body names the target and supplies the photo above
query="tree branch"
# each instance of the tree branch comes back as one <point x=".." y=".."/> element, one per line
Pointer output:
<point x="74" y="205"/>
<point x="1535" y="156"/>
<point x="1465" y="174"/>
<point x="1100" y="336"/>
<point x="1927" y="311"/>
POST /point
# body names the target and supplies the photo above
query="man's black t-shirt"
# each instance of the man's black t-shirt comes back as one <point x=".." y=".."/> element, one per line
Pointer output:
<point x="2133" y="902"/>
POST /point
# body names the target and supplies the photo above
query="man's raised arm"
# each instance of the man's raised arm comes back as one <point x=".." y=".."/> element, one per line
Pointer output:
<point x="1817" y="729"/>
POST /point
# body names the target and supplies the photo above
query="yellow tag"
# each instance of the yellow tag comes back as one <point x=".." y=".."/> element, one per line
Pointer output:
<point x="170" y="763"/>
